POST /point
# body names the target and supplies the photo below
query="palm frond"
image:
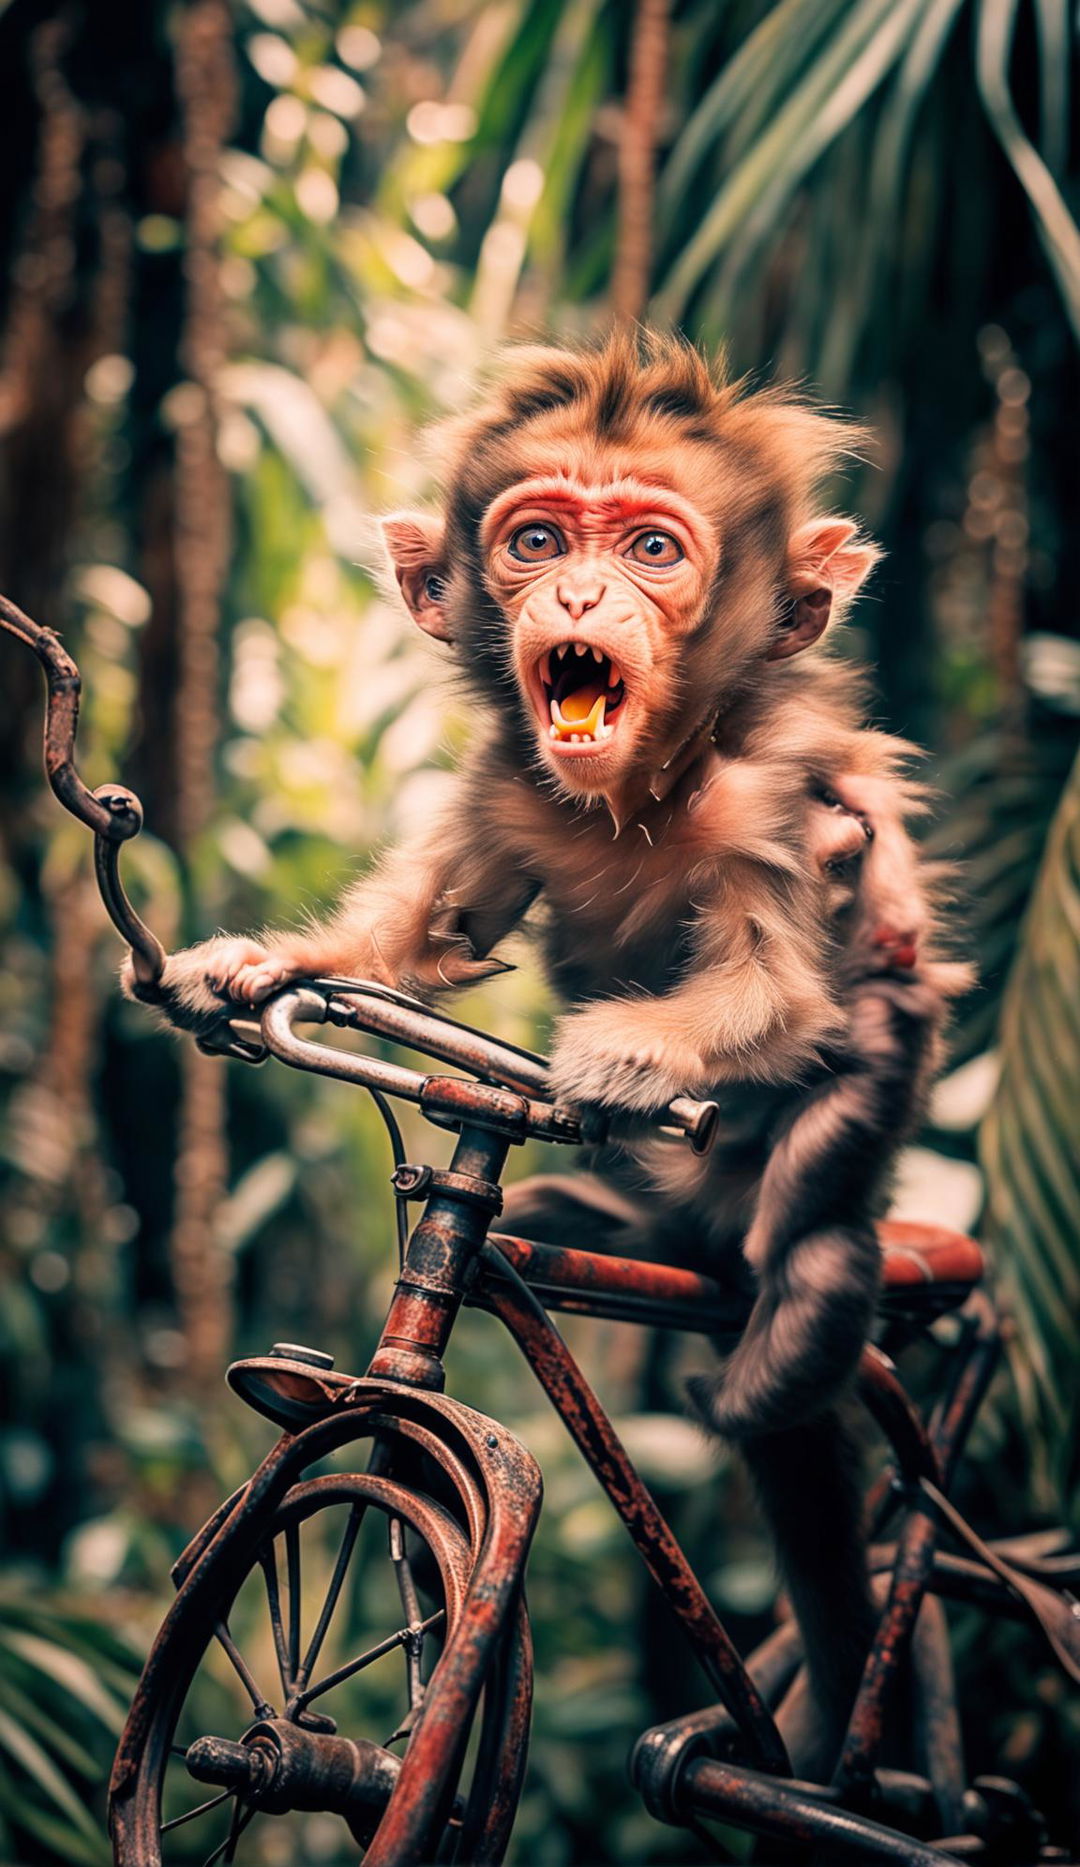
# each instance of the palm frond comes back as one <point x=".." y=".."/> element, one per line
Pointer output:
<point x="1029" y="1137"/>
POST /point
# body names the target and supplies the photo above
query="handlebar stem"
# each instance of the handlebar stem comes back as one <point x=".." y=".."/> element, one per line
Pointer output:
<point x="439" y="1261"/>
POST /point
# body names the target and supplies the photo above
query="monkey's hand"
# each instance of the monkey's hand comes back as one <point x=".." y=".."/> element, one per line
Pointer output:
<point x="202" y="981"/>
<point x="625" y="1055"/>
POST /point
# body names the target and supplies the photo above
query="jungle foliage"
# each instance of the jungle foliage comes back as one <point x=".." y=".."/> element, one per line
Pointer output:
<point x="246" y="251"/>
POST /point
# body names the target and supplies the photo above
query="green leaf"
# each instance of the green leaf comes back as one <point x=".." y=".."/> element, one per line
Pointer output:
<point x="67" y="1670"/>
<point x="1029" y="1138"/>
<point x="1052" y="28"/>
<point x="1060" y="235"/>
<point x="753" y="78"/>
<point x="79" y="1847"/>
<point x="35" y="1760"/>
<point x="52" y="1733"/>
<point x="834" y="88"/>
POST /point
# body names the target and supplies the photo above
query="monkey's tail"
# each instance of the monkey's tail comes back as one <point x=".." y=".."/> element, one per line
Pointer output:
<point x="808" y="1482"/>
<point x="812" y="1243"/>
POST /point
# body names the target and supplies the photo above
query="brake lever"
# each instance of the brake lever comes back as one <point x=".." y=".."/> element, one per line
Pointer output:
<point x="238" y="1038"/>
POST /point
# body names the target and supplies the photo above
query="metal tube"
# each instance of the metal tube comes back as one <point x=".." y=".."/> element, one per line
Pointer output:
<point x="588" y="1424"/>
<point x="790" y="1812"/>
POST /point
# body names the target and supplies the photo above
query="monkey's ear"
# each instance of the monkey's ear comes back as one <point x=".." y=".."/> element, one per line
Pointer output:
<point x="827" y="563"/>
<point x="416" y="542"/>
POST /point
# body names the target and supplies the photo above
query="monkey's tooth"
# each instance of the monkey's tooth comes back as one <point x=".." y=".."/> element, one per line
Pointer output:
<point x="553" y="732"/>
<point x="556" y="716"/>
<point x="616" y="674"/>
<point x="579" y="648"/>
<point x="596" y="655"/>
<point x="575" y="739"/>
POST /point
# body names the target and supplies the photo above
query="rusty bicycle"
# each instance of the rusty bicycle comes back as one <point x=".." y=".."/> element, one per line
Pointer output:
<point x="430" y="1508"/>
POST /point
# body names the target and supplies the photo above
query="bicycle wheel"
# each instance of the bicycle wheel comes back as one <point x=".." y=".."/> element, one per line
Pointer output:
<point x="273" y="1730"/>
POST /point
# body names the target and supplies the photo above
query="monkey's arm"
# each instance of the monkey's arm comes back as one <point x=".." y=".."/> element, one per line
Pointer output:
<point x="754" y="1004"/>
<point x="426" y="919"/>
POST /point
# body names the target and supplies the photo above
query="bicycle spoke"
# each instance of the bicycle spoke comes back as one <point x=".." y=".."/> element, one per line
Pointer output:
<point x="405" y="1728"/>
<point x="330" y="1603"/>
<point x="268" y="1564"/>
<point x="261" y="1706"/>
<point x="226" y="1850"/>
<point x="414" y="1646"/>
<point x="292" y="1569"/>
<point x="203" y="1809"/>
<point x="364" y="1659"/>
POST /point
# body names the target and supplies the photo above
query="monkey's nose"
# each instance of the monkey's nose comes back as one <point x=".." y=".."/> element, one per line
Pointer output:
<point x="576" y="598"/>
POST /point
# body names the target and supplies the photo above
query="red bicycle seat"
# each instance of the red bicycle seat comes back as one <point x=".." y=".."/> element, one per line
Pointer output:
<point x="927" y="1267"/>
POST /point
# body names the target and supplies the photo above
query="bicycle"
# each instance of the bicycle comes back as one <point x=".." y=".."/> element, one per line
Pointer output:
<point x="460" y="1497"/>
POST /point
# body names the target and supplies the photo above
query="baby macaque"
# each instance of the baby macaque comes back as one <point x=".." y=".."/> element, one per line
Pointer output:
<point x="633" y="575"/>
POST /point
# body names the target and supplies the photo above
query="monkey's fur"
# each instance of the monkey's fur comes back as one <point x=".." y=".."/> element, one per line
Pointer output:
<point x="684" y="864"/>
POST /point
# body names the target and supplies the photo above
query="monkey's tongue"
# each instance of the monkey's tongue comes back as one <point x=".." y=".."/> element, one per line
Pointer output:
<point x="579" y="713"/>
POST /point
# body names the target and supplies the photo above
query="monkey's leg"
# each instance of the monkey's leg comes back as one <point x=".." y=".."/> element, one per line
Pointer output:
<point x="812" y="1243"/>
<point x="808" y="1483"/>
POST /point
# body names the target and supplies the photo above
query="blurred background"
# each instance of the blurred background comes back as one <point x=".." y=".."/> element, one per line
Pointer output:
<point x="246" y="252"/>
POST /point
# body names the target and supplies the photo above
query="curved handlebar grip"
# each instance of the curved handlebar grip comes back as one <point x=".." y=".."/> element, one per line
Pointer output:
<point x="112" y="811"/>
<point x="303" y="1005"/>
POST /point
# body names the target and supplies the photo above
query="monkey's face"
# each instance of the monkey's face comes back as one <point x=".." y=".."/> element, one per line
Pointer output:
<point x="628" y="541"/>
<point x="600" y="584"/>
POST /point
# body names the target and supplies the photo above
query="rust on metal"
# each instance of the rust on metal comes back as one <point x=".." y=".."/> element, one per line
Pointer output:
<point x="971" y="1373"/>
<point x="914" y="1563"/>
<point x="884" y="1396"/>
<point x="628" y="1289"/>
<point x="796" y="1813"/>
<point x="939" y="1743"/>
<point x="501" y="1500"/>
<point x="585" y="1419"/>
<point x="401" y="1810"/>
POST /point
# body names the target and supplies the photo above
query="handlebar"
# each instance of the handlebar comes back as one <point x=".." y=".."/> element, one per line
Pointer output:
<point x="508" y="1087"/>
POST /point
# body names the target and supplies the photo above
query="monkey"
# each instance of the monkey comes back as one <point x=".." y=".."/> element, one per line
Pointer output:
<point x="672" y="775"/>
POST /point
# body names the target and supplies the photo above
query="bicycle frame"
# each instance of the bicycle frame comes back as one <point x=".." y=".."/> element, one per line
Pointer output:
<point x="730" y="1761"/>
<point x="450" y="1262"/>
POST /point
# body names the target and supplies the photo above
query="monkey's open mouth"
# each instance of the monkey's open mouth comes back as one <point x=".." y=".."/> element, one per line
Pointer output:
<point x="583" y="691"/>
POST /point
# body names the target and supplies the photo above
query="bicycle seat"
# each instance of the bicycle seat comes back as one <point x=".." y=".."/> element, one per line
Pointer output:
<point x="926" y="1269"/>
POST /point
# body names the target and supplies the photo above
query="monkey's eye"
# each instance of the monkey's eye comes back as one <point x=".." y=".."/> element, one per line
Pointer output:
<point x="656" y="548"/>
<point x="533" y="543"/>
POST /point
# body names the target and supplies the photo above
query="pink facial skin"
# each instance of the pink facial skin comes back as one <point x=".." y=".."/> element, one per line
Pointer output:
<point x="620" y="568"/>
